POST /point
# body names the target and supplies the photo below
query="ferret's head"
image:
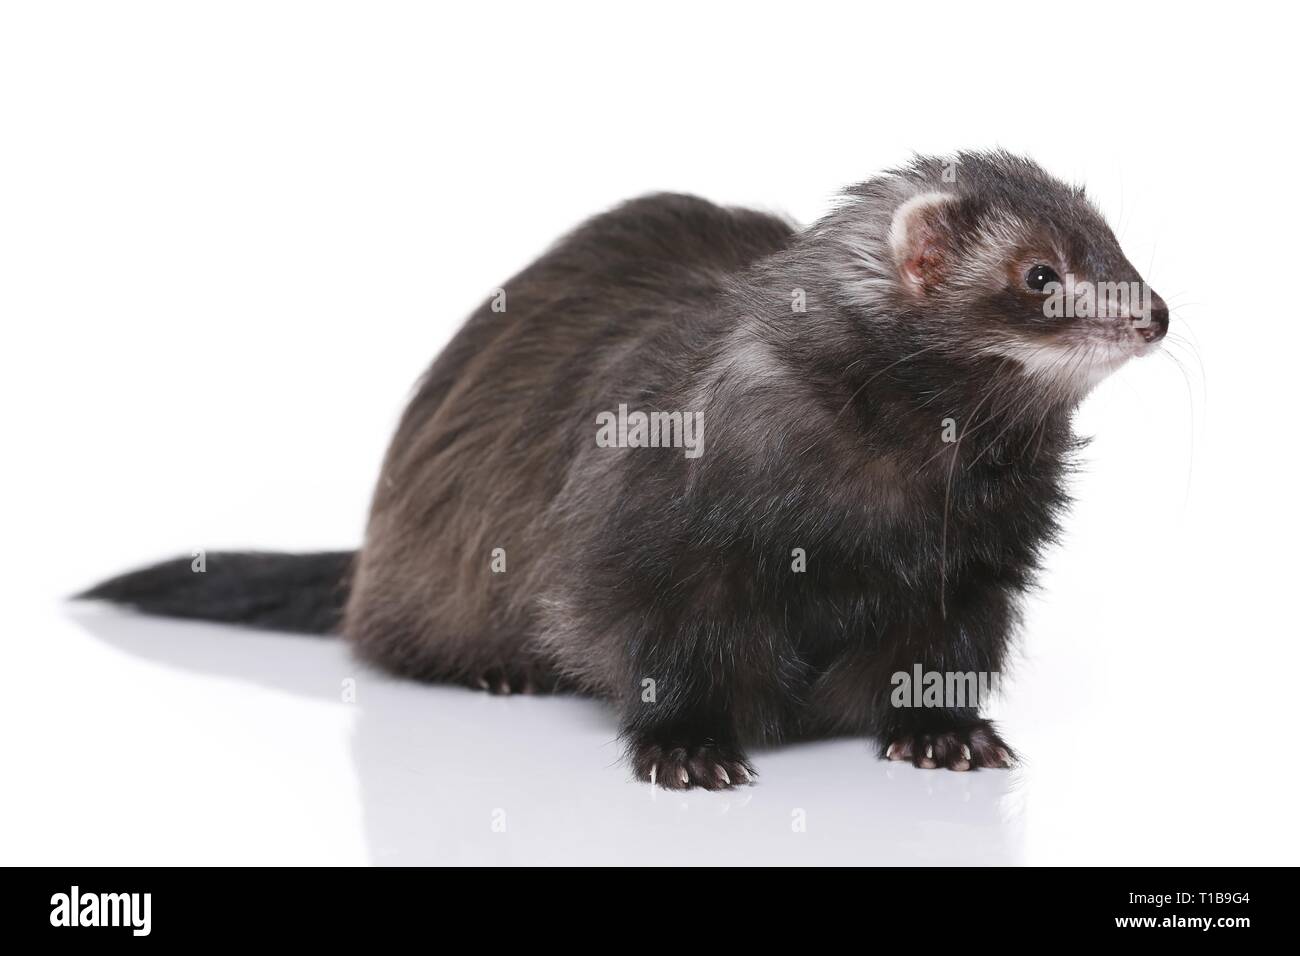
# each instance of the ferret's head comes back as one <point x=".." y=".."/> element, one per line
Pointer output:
<point x="986" y="256"/>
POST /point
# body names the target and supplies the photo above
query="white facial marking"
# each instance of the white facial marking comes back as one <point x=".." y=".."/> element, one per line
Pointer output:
<point x="1076" y="369"/>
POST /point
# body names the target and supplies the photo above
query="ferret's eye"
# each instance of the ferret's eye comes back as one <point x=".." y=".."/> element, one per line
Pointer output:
<point x="1038" y="277"/>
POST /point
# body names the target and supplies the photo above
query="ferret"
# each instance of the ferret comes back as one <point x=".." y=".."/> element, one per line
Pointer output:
<point x="882" y="406"/>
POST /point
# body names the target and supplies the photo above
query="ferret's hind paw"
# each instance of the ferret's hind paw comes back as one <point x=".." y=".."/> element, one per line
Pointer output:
<point x="966" y="748"/>
<point x="684" y="766"/>
<point x="513" y="680"/>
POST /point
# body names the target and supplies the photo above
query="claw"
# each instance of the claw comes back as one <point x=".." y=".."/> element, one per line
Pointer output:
<point x="958" y="747"/>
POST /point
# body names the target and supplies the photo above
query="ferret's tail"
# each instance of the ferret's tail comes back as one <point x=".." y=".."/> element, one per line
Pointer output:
<point x="284" y="592"/>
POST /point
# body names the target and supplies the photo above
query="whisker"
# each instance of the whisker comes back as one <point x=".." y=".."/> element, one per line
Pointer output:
<point x="882" y="372"/>
<point x="947" y="503"/>
<point x="1191" y="429"/>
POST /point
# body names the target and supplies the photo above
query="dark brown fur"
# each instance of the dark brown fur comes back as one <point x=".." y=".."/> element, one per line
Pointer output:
<point x="635" y="568"/>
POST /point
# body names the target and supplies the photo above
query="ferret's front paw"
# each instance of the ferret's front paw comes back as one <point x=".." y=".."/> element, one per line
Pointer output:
<point x="682" y="766"/>
<point x="964" y="748"/>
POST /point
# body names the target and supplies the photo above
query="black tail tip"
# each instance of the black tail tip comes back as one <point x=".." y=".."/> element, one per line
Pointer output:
<point x="139" y="585"/>
<point x="302" y="593"/>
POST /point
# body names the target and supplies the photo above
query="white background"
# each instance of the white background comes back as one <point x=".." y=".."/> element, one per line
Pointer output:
<point x="232" y="235"/>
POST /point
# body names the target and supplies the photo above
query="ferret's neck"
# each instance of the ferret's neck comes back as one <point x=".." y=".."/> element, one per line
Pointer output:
<point x="904" y="394"/>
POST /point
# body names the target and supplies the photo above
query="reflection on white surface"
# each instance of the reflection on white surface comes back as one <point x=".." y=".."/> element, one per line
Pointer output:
<point x="452" y="776"/>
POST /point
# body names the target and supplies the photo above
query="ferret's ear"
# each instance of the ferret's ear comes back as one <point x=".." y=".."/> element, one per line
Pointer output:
<point x="919" y="239"/>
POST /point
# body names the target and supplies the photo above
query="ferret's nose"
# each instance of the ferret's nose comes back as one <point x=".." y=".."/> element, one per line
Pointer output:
<point x="1157" y="324"/>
